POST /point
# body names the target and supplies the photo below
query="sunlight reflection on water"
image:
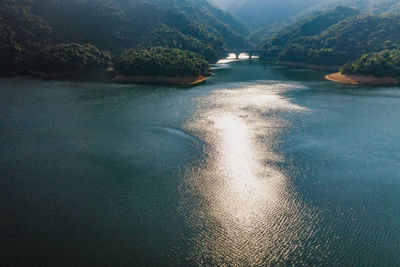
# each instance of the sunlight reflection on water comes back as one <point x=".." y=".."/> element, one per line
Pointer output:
<point x="232" y="58"/>
<point x="246" y="209"/>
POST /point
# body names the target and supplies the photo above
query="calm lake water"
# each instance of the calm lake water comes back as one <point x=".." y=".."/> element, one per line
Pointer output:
<point x="261" y="165"/>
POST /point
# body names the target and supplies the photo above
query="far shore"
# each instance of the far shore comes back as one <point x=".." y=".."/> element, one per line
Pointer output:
<point x="361" y="79"/>
<point x="309" y="66"/>
<point x="189" y="80"/>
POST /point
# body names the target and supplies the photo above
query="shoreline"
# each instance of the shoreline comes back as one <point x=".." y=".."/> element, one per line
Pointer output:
<point x="309" y="66"/>
<point x="185" y="80"/>
<point x="361" y="79"/>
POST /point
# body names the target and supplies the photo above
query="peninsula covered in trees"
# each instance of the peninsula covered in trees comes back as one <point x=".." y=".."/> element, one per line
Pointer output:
<point x="161" y="65"/>
<point x="381" y="68"/>
<point x="385" y="63"/>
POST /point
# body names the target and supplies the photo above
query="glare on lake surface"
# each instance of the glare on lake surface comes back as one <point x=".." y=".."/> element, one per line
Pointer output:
<point x="245" y="198"/>
<point x="232" y="58"/>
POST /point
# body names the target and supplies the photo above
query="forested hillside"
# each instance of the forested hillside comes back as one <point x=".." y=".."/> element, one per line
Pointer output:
<point x="314" y="41"/>
<point x="305" y="28"/>
<point x="114" y="25"/>
<point x="209" y="16"/>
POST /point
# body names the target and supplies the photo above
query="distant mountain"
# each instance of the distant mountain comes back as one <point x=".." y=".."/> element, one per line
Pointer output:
<point x="261" y="13"/>
<point x="368" y="6"/>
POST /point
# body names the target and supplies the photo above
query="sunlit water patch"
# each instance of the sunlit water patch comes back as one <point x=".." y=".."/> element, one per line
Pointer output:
<point x="232" y="58"/>
<point x="245" y="206"/>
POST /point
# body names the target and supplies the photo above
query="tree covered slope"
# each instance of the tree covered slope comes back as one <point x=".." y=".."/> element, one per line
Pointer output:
<point x="310" y="26"/>
<point x="346" y="40"/>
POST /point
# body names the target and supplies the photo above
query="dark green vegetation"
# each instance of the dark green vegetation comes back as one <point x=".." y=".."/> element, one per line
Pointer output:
<point x="223" y="25"/>
<point x="385" y="63"/>
<point x="71" y="57"/>
<point x="311" y="26"/>
<point x="335" y="37"/>
<point x="27" y="27"/>
<point x="161" y="62"/>
<point x="298" y="42"/>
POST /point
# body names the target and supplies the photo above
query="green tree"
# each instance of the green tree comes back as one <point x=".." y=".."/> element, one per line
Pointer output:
<point x="71" y="57"/>
<point x="385" y="63"/>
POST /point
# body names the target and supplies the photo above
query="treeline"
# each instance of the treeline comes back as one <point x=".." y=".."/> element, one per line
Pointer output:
<point x="27" y="27"/>
<point x="385" y="63"/>
<point x="161" y="62"/>
<point x="70" y="58"/>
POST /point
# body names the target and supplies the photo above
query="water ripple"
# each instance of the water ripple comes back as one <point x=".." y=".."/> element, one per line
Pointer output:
<point x="242" y="205"/>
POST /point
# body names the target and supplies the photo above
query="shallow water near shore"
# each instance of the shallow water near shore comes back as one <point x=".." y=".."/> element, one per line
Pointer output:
<point x="261" y="165"/>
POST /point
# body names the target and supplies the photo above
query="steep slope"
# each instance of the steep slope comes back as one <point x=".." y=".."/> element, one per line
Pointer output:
<point x="308" y="27"/>
<point x="213" y="19"/>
